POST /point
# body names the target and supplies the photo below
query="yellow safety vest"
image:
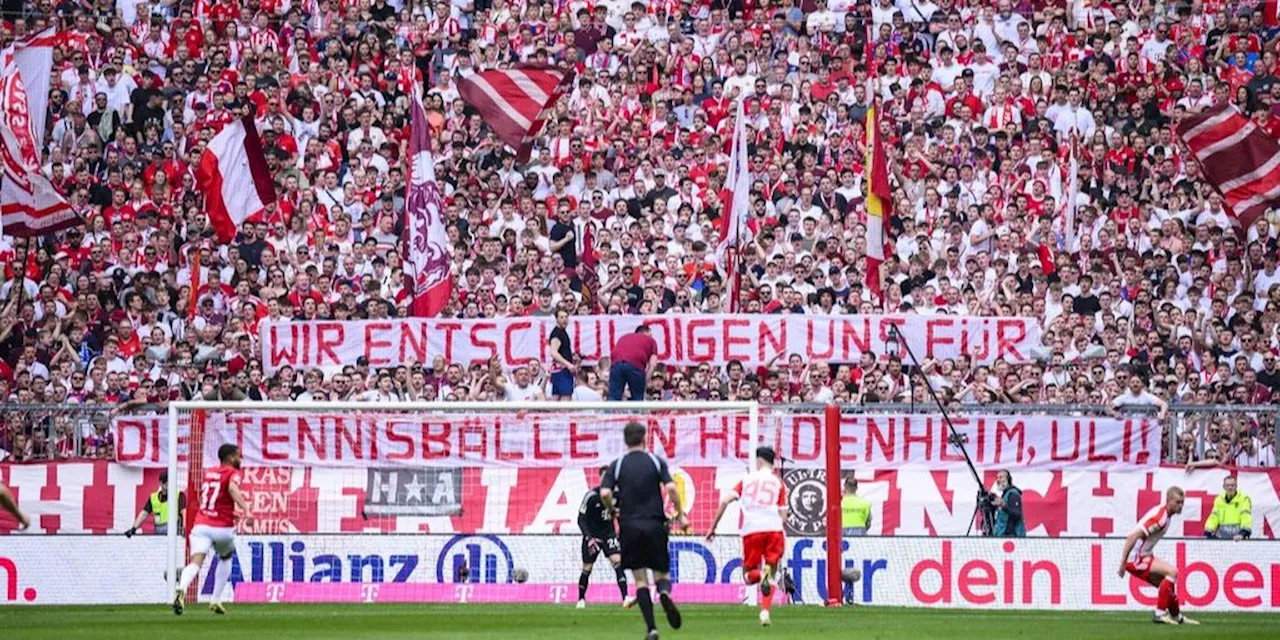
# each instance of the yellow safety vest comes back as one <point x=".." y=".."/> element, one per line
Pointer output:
<point x="1228" y="518"/>
<point x="855" y="512"/>
<point x="159" y="509"/>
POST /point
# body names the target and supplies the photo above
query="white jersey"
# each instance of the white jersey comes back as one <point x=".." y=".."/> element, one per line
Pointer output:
<point x="760" y="494"/>
<point x="1152" y="526"/>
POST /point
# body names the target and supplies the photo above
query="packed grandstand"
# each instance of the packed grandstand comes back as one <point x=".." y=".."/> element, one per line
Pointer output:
<point x="1145" y="288"/>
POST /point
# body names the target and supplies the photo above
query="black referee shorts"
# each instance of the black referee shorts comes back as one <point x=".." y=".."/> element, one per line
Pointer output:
<point x="644" y="545"/>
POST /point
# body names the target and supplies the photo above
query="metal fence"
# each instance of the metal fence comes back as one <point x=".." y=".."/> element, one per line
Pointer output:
<point x="1192" y="433"/>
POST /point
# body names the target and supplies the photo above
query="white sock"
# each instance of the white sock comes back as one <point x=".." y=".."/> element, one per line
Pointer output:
<point x="189" y="574"/>
<point x="220" y="576"/>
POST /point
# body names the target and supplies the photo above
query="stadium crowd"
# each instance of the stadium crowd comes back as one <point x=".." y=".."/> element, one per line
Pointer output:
<point x="1150" y="297"/>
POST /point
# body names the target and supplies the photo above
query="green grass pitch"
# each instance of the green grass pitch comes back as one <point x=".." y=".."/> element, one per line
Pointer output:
<point x="473" y="621"/>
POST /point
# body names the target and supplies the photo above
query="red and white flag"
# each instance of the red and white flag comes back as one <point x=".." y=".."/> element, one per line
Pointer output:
<point x="1240" y="160"/>
<point x="426" y="237"/>
<point x="516" y="102"/>
<point x="29" y="205"/>
<point x="234" y="179"/>
<point x="737" y="202"/>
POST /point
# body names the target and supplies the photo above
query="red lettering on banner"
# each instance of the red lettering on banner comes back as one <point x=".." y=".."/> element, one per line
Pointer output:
<point x="945" y="453"/>
<point x="307" y="435"/>
<point x="813" y="436"/>
<point x="484" y="342"/>
<point x="943" y="569"/>
<point x="269" y="438"/>
<point x="883" y="438"/>
<point x="1029" y="570"/>
<point x="497" y="444"/>
<point x="413" y="347"/>
<point x="125" y="453"/>
<point x="848" y="445"/>
<point x="374" y="349"/>
<point x="933" y="338"/>
<point x="701" y="344"/>
<point x="279" y="351"/>
<point x="1231" y="586"/>
<point x="578" y="441"/>
<point x="1054" y="454"/>
<point x="238" y="424"/>
<point x="1009" y="332"/>
<point x="1144" y="456"/>
<point x="479" y="447"/>
<point x="1094" y="456"/>
<point x="708" y="433"/>
<point x="908" y="439"/>
<point x="976" y="573"/>
<point x="352" y="436"/>
<point x="771" y="343"/>
<point x="449" y="328"/>
<point x="859" y="336"/>
<point x="730" y="341"/>
<point x="1015" y="433"/>
<point x="983" y="349"/>
<point x="1185" y="571"/>
<point x="588" y="349"/>
<point x="741" y="437"/>
<point x="398" y="438"/>
<point x="662" y="432"/>
<point x="509" y="340"/>
<point x="329" y="336"/>
<point x="667" y="341"/>
<point x="538" y="453"/>
<point x="812" y="343"/>
<point x="441" y="438"/>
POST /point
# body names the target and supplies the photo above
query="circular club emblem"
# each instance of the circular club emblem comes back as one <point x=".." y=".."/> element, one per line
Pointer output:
<point x="806" y="501"/>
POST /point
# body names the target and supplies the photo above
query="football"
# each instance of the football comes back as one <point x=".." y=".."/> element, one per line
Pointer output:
<point x="520" y="574"/>
<point x="850" y="575"/>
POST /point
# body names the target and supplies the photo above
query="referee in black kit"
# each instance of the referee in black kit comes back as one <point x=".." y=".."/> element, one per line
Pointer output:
<point x="636" y="482"/>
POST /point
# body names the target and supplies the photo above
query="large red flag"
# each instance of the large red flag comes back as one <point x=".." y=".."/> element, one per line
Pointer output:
<point x="879" y="200"/>
<point x="515" y="102"/>
<point x="737" y="201"/>
<point x="1240" y="160"/>
<point x="233" y="176"/>
<point x="426" y="238"/>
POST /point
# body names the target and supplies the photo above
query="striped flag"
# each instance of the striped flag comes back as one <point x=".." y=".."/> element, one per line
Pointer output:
<point x="233" y="176"/>
<point x="1073" y="187"/>
<point x="426" y="238"/>
<point x="879" y="200"/>
<point x="737" y="202"/>
<point x="1240" y="160"/>
<point x="516" y="102"/>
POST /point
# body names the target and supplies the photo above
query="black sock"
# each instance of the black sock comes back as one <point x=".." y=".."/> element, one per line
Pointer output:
<point x="582" y="584"/>
<point x="622" y="580"/>
<point x="664" y="585"/>
<point x="646" y="607"/>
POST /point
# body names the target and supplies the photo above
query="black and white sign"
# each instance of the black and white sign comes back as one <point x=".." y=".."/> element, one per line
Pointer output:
<point x="806" y="501"/>
<point x="413" y="492"/>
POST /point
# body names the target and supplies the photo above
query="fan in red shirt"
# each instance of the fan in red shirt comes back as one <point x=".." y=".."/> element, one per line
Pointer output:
<point x="217" y="499"/>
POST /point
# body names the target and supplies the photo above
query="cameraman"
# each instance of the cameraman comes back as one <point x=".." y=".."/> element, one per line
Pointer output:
<point x="1008" y="522"/>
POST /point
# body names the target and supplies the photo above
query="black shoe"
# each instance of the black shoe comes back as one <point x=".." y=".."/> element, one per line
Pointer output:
<point x="788" y="585"/>
<point x="652" y="635"/>
<point x="669" y="607"/>
<point x="766" y="582"/>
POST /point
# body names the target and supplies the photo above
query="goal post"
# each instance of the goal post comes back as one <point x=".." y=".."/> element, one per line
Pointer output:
<point x="447" y="502"/>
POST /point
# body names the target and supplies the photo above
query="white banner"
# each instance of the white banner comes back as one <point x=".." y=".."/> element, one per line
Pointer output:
<point x="753" y="339"/>
<point x="547" y="440"/>
<point x="1072" y="574"/>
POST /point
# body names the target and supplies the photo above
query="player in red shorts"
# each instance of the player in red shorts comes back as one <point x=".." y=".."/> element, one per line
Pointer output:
<point x="764" y="505"/>
<point x="1141" y="563"/>
<point x="215" y="526"/>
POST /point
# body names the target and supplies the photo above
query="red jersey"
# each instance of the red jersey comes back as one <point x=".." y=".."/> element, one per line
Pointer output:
<point x="217" y="509"/>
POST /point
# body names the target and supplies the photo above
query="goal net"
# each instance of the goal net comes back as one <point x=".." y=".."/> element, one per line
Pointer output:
<point x="450" y="502"/>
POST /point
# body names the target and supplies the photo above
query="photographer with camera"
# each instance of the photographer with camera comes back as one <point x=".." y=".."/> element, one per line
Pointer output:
<point x="1009" y="522"/>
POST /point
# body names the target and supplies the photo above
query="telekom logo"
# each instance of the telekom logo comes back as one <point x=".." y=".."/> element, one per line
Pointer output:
<point x="11" y="583"/>
<point x="558" y="593"/>
<point x="463" y="592"/>
<point x="275" y="592"/>
<point x="369" y="592"/>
